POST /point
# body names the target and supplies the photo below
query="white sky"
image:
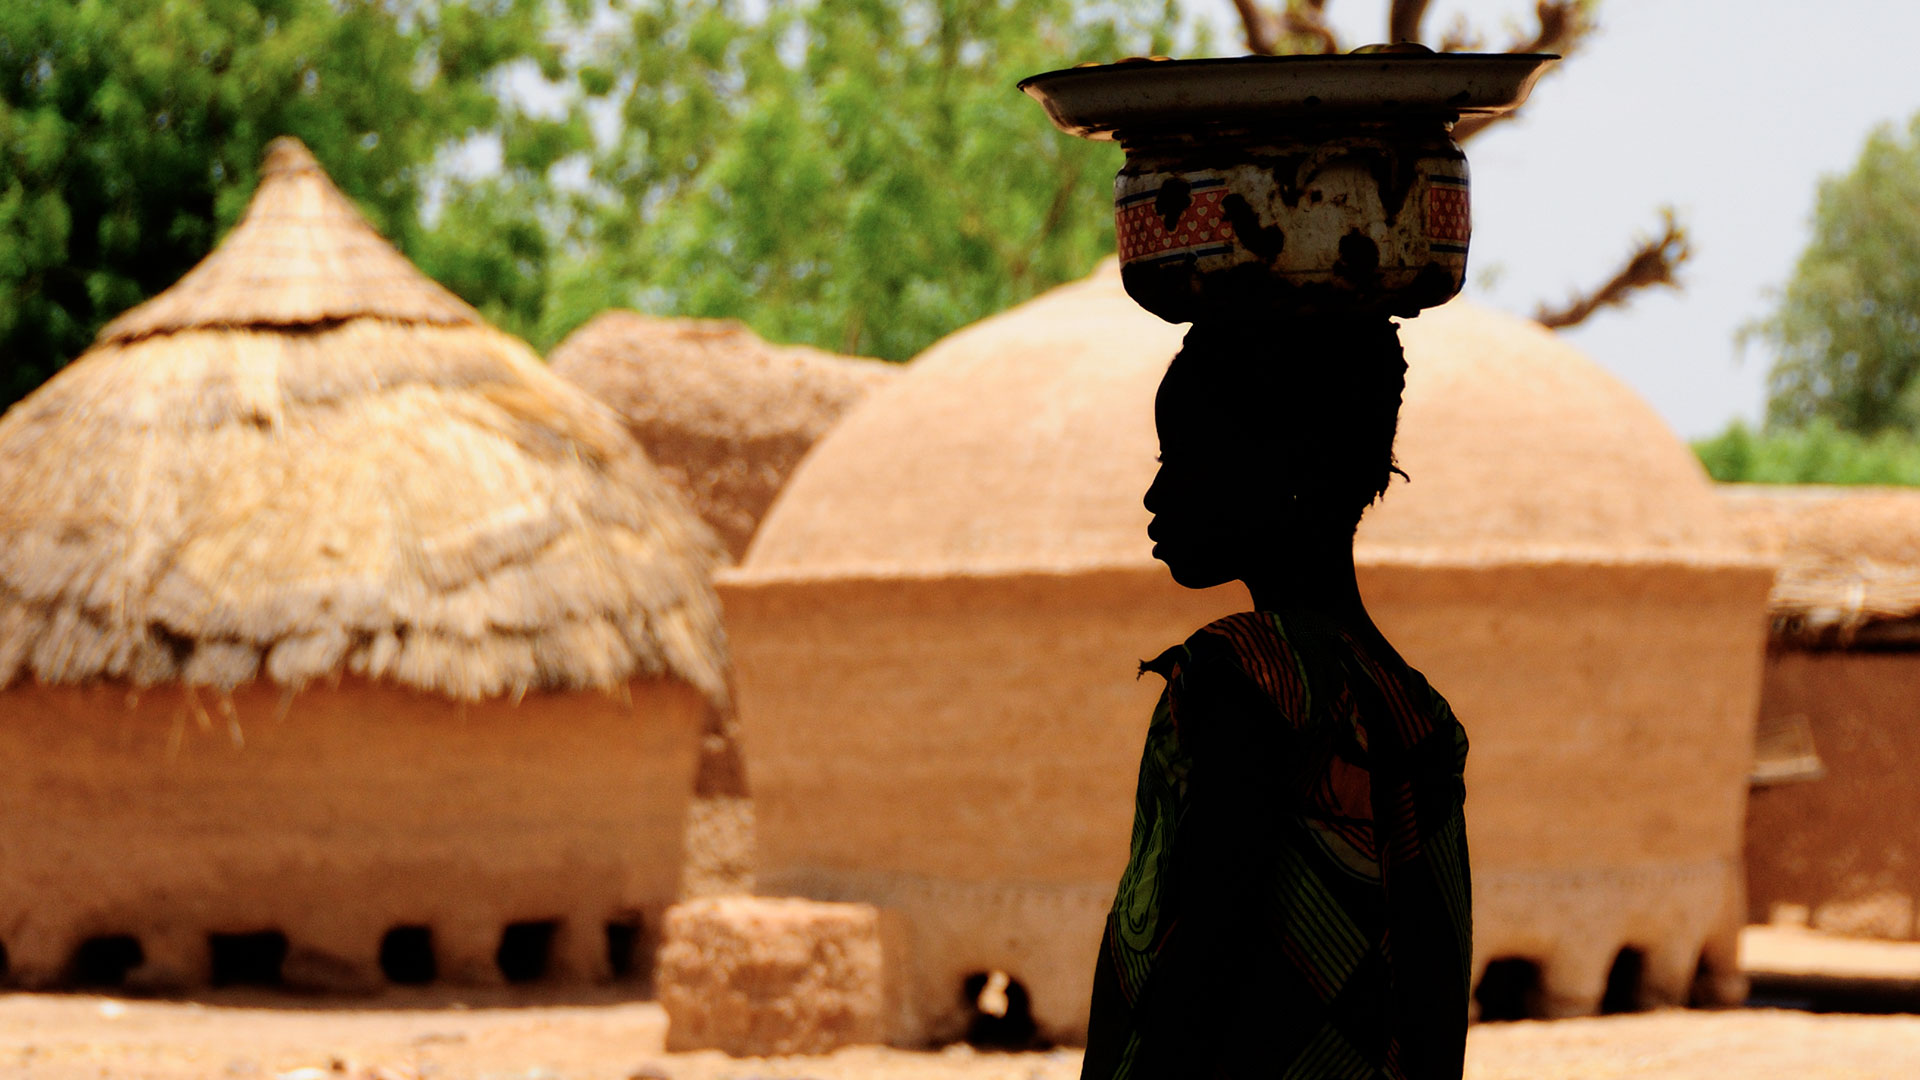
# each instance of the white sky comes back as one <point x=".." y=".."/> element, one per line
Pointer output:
<point x="1731" y="110"/>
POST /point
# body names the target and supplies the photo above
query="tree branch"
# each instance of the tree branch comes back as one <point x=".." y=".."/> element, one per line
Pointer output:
<point x="1652" y="263"/>
<point x="1564" y="28"/>
<point x="1302" y="27"/>
<point x="1403" y="20"/>
<point x="1262" y="33"/>
<point x="1563" y="24"/>
<point x="1308" y="19"/>
<point x="1461" y="37"/>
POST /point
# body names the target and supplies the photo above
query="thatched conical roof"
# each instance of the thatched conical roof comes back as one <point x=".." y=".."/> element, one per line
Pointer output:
<point x="721" y="412"/>
<point x="302" y="255"/>
<point x="1025" y="441"/>
<point x="1849" y="559"/>
<point x="307" y="459"/>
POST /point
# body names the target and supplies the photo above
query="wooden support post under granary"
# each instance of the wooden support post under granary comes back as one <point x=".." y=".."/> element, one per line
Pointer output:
<point x="341" y="643"/>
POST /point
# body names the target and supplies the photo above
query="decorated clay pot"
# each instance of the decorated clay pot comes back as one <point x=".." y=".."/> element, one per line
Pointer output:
<point x="1374" y="219"/>
<point x="1299" y="185"/>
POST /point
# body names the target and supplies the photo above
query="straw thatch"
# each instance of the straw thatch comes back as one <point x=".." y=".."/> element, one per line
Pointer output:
<point x="721" y="412"/>
<point x="307" y="459"/>
<point x="1850" y="561"/>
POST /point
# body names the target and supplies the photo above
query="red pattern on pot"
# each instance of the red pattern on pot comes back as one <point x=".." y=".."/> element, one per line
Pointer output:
<point x="1144" y="236"/>
<point x="1449" y="220"/>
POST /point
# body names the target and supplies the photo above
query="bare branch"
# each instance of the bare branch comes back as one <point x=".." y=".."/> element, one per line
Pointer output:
<point x="1563" y="24"/>
<point x="1300" y="27"/>
<point x="1403" y="20"/>
<point x="1262" y="32"/>
<point x="1654" y="262"/>
<point x="1460" y="36"/>
<point x="1564" y="28"/>
<point x="1308" y="19"/>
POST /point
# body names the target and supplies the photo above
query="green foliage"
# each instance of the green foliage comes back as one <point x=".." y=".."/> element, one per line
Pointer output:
<point x="856" y="174"/>
<point x="1847" y="329"/>
<point x="131" y="132"/>
<point x="1817" y="454"/>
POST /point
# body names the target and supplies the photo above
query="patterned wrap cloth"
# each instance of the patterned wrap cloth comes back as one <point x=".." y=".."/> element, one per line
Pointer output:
<point x="1297" y="901"/>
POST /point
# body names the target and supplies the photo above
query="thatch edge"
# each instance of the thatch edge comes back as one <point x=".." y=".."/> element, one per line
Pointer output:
<point x="1815" y="605"/>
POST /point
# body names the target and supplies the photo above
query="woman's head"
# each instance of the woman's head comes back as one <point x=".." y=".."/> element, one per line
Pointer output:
<point x="1274" y="438"/>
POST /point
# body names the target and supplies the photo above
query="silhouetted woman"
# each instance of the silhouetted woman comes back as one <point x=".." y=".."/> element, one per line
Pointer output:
<point x="1296" y="903"/>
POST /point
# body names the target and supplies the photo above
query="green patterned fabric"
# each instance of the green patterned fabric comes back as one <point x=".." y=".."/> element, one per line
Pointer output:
<point x="1297" y="901"/>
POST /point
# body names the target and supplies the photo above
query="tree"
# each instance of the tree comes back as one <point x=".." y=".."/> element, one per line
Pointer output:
<point x="1816" y="454"/>
<point x="131" y="132"/>
<point x="856" y="174"/>
<point x="1846" y="331"/>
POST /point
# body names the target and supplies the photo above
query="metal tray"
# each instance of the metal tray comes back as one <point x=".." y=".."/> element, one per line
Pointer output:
<point x="1094" y="102"/>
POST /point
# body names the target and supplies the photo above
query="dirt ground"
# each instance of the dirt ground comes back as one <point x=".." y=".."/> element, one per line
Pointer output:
<point x="68" y="1037"/>
<point x="441" y="1034"/>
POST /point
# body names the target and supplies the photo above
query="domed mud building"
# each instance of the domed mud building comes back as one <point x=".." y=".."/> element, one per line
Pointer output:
<point x="936" y="631"/>
<point x="1831" y="835"/>
<point x="340" y="641"/>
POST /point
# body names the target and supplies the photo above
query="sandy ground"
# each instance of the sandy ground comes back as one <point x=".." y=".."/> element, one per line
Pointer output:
<point x="1795" y="950"/>
<point x="57" y="1037"/>
<point x="443" y="1034"/>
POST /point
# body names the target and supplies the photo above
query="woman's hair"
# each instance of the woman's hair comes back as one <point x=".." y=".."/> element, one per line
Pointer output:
<point x="1301" y="408"/>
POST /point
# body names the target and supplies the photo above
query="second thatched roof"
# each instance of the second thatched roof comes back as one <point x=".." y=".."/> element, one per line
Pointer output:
<point x="307" y="459"/>
<point x="721" y="412"/>
<point x="1850" y="561"/>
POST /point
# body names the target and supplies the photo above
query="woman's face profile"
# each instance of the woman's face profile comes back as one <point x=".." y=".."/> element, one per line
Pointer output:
<point x="1215" y="514"/>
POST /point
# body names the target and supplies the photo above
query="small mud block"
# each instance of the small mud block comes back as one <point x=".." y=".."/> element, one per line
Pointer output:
<point x="756" y="976"/>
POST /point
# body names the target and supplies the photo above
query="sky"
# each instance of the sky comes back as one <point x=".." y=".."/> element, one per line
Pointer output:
<point x="1729" y="111"/>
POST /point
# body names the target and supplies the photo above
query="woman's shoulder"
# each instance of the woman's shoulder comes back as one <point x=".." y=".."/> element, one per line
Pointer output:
<point x="1249" y="647"/>
<point x="1214" y="642"/>
<point x="1296" y="659"/>
<point x="1243" y="630"/>
<point x="1272" y="643"/>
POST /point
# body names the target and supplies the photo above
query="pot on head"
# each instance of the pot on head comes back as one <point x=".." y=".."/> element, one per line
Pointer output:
<point x="1300" y="184"/>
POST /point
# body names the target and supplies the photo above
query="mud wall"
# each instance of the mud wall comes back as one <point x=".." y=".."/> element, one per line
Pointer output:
<point x="1611" y="711"/>
<point x="333" y="816"/>
<point x="965" y="749"/>
<point x="1842" y="852"/>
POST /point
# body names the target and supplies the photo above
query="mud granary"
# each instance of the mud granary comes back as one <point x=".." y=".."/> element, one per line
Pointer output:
<point x="937" y="627"/>
<point x="720" y="412"/>
<point x="726" y="417"/>
<point x="340" y="641"/>
<point x="1831" y="836"/>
